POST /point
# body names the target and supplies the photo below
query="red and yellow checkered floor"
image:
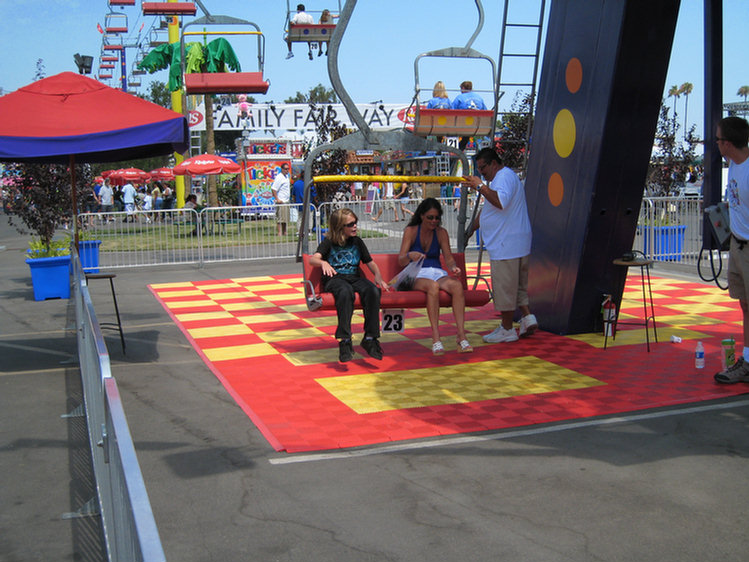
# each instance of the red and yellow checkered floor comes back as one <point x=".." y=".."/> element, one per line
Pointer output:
<point x="280" y="363"/>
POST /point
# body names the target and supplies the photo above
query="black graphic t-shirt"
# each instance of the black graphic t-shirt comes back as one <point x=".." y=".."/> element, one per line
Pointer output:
<point x="345" y="259"/>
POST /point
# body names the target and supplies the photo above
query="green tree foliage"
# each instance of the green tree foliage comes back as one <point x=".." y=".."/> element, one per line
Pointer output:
<point x="671" y="159"/>
<point x="332" y="162"/>
<point x="40" y="71"/>
<point x="159" y="94"/>
<point x="318" y="94"/>
<point x="41" y="196"/>
<point x="514" y="130"/>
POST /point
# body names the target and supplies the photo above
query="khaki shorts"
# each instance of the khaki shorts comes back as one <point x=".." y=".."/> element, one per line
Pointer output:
<point x="738" y="271"/>
<point x="282" y="214"/>
<point x="509" y="283"/>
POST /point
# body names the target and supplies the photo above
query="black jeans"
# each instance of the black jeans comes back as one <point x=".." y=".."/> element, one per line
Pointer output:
<point x="343" y="291"/>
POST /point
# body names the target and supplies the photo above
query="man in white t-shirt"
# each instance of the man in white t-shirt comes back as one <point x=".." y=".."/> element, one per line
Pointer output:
<point x="281" y="190"/>
<point x="128" y="198"/>
<point x="733" y="142"/>
<point x="506" y="233"/>
<point x="301" y="17"/>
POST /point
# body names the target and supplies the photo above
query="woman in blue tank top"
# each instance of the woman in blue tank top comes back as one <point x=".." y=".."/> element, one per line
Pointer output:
<point x="425" y="237"/>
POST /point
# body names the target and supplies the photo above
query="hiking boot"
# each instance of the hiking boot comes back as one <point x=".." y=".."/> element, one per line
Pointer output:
<point x="738" y="372"/>
<point x="372" y="347"/>
<point x="345" y="351"/>
<point x="501" y="335"/>
<point x="528" y="325"/>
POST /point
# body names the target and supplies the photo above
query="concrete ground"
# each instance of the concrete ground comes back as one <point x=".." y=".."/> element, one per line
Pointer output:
<point x="663" y="485"/>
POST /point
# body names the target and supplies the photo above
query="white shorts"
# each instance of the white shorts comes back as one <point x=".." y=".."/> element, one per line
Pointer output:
<point x="433" y="273"/>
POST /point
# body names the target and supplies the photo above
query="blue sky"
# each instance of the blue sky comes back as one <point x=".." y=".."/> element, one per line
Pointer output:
<point x="377" y="53"/>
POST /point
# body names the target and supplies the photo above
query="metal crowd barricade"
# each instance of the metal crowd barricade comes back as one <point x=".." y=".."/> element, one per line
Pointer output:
<point x="130" y="531"/>
<point x="669" y="229"/>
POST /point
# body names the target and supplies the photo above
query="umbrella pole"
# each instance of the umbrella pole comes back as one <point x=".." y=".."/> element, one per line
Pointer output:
<point x="74" y="200"/>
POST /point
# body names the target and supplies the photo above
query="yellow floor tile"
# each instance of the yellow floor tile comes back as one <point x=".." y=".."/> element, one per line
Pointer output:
<point x="239" y="352"/>
<point x="468" y="382"/>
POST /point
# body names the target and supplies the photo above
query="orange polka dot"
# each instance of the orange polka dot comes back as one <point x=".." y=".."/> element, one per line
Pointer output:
<point x="555" y="189"/>
<point x="573" y="76"/>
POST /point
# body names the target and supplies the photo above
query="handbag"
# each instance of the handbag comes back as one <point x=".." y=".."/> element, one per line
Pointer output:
<point x="405" y="280"/>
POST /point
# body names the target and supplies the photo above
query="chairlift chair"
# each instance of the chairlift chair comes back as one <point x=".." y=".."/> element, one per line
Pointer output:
<point x="308" y="32"/>
<point x="454" y="122"/>
<point x="133" y="81"/>
<point x="115" y="22"/>
<point x="168" y="8"/>
<point x="122" y="2"/>
<point x="109" y="58"/>
<point x="107" y="65"/>
<point x="112" y="42"/>
<point x="224" y="82"/>
<point x="158" y="37"/>
<point x="135" y="71"/>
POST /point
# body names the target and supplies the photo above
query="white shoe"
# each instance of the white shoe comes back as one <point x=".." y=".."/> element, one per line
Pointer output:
<point x="528" y="325"/>
<point x="289" y="55"/>
<point x="501" y="335"/>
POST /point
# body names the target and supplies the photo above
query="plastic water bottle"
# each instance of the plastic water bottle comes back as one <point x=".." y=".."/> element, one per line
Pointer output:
<point x="699" y="356"/>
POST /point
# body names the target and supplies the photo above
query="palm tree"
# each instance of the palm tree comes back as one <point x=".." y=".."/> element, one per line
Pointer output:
<point x="674" y="92"/>
<point x="686" y="89"/>
<point x="743" y="92"/>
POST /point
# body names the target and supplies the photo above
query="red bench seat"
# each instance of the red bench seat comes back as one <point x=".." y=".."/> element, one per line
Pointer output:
<point x="389" y="268"/>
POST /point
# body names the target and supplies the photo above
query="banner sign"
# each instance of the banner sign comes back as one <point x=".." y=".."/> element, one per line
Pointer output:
<point x="296" y="116"/>
<point x="260" y="176"/>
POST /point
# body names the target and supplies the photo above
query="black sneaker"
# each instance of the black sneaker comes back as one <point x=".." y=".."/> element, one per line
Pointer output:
<point x="372" y="346"/>
<point x="738" y="372"/>
<point x="345" y="351"/>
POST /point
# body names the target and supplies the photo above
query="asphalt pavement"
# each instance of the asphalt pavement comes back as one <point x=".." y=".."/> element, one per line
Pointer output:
<point x="668" y="484"/>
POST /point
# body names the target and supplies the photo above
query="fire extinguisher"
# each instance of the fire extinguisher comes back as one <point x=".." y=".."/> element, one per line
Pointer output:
<point x="608" y="309"/>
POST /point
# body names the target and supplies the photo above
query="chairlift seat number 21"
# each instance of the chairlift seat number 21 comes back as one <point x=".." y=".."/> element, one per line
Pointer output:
<point x="393" y="320"/>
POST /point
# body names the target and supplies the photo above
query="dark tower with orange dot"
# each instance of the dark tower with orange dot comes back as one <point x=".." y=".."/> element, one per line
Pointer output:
<point x="600" y="93"/>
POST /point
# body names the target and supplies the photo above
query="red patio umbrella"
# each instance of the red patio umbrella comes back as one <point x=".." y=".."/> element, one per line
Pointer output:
<point x="162" y="174"/>
<point x="125" y="175"/>
<point x="207" y="164"/>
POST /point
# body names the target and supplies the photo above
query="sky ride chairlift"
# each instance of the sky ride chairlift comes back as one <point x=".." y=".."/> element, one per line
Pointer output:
<point x="224" y="82"/>
<point x="115" y="22"/>
<point x="308" y="32"/>
<point x="454" y="122"/>
<point x="168" y="8"/>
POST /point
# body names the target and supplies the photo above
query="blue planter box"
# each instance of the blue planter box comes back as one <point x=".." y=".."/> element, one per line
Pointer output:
<point x="668" y="241"/>
<point x="88" y="251"/>
<point x="50" y="277"/>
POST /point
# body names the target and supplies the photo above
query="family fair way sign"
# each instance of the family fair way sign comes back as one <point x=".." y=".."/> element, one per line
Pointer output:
<point x="296" y="116"/>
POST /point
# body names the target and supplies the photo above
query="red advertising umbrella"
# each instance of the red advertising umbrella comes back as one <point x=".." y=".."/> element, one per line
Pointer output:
<point x="130" y="174"/>
<point x="162" y="174"/>
<point x="207" y="164"/>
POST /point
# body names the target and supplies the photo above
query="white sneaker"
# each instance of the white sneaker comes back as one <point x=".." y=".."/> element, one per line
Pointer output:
<point x="288" y="56"/>
<point x="501" y="335"/>
<point x="528" y="325"/>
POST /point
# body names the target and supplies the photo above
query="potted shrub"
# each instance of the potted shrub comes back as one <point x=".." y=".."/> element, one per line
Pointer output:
<point x="42" y="202"/>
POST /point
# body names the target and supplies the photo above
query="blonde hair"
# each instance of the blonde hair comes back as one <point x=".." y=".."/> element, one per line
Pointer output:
<point x="336" y="224"/>
<point x="439" y="90"/>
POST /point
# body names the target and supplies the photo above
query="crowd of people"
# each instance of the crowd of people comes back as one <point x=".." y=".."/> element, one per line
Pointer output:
<point x="105" y="197"/>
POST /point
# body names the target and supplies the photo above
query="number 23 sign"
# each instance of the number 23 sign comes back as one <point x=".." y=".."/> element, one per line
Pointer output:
<point x="393" y="320"/>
